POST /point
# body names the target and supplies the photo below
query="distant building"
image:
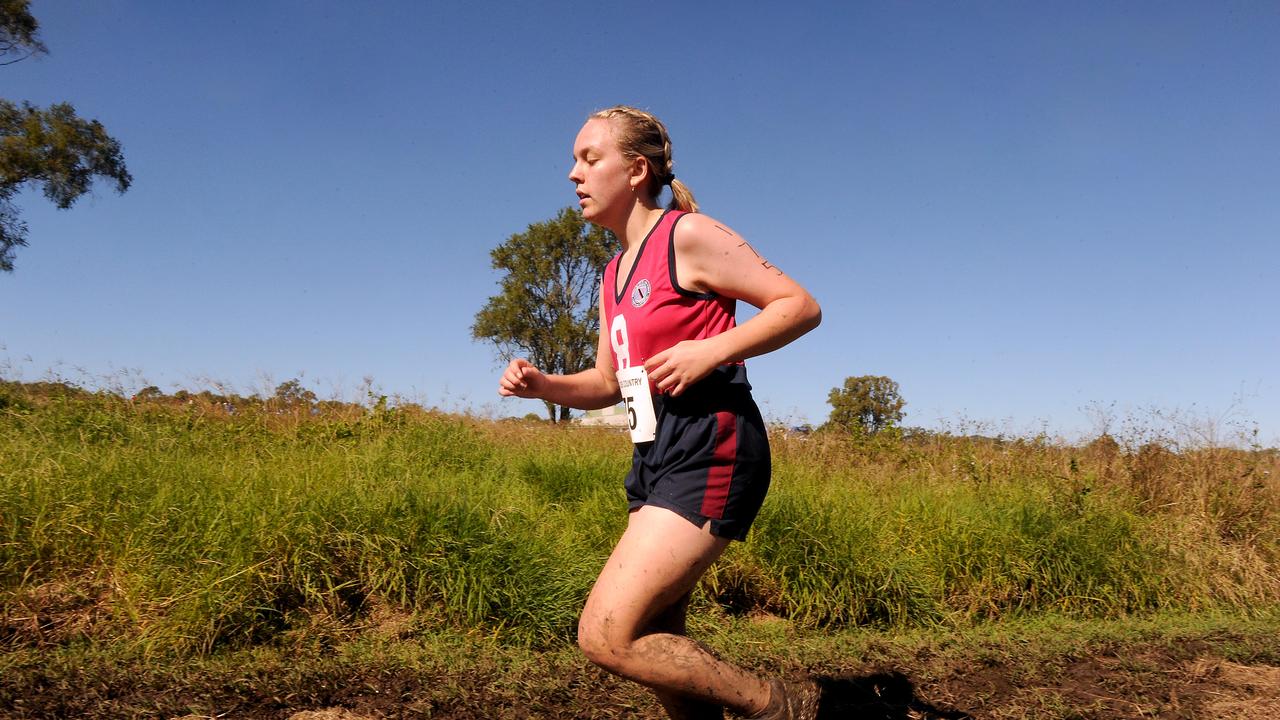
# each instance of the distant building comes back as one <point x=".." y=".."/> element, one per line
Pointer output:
<point x="615" y="416"/>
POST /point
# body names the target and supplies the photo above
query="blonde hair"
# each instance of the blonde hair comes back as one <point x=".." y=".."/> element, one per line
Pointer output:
<point x="640" y="134"/>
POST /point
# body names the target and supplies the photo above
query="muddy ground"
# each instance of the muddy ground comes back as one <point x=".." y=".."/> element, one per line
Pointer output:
<point x="1217" y="678"/>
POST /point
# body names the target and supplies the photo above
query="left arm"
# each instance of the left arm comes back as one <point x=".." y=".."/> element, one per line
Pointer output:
<point x="711" y="257"/>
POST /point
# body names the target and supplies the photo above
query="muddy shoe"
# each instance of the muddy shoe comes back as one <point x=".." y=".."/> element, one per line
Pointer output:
<point x="790" y="701"/>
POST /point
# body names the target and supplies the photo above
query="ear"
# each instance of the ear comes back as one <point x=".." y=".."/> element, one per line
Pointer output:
<point x="638" y="170"/>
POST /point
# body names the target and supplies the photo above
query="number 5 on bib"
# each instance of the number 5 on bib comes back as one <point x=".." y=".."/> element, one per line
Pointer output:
<point x="643" y="421"/>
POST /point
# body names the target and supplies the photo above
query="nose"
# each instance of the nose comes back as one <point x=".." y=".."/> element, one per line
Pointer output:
<point x="575" y="174"/>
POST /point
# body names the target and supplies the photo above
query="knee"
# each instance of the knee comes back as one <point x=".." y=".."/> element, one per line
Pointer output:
<point x="600" y="645"/>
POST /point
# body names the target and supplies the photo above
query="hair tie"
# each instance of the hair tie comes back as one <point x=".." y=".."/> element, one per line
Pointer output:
<point x="670" y="179"/>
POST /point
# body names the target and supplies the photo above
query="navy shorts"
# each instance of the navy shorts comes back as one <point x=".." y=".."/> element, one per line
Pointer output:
<point x="710" y="458"/>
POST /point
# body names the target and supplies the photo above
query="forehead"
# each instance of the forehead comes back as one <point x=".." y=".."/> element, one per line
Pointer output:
<point x="596" y="134"/>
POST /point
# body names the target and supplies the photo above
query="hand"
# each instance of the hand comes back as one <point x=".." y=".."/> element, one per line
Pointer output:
<point x="521" y="379"/>
<point x="675" y="369"/>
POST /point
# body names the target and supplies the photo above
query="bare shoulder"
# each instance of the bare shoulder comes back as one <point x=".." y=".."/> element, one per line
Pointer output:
<point x="702" y="244"/>
<point x="703" y="240"/>
<point x="711" y="256"/>
<point x="697" y="233"/>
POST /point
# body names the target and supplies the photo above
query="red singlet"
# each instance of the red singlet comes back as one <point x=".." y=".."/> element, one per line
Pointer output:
<point x="649" y="311"/>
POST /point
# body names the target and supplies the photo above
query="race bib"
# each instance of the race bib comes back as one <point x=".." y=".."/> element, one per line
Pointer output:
<point x="634" y="384"/>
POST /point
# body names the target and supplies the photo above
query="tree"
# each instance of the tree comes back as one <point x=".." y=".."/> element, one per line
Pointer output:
<point x="546" y="308"/>
<point x="150" y="393"/>
<point x="53" y="148"/>
<point x="18" y="32"/>
<point x="865" y="405"/>
<point x="291" y="394"/>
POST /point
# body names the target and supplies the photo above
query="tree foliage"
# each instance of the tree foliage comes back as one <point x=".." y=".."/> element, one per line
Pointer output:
<point x="18" y="30"/>
<point x="546" y="307"/>
<point x="52" y="148"/>
<point x="291" y="395"/>
<point x="865" y="405"/>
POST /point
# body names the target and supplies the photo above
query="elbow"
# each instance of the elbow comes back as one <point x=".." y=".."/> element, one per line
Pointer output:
<point x="812" y="314"/>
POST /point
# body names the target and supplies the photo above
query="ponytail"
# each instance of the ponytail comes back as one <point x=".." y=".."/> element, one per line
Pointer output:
<point x="682" y="197"/>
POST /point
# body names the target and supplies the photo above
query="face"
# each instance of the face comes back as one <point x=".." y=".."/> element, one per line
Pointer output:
<point x="602" y="176"/>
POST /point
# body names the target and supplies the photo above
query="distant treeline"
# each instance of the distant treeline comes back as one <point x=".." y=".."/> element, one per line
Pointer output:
<point x="289" y="395"/>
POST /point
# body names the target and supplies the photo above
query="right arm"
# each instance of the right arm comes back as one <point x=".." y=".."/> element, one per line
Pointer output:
<point x="591" y="389"/>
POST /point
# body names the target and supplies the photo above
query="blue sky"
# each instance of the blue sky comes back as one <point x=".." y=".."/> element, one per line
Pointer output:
<point x="1030" y="215"/>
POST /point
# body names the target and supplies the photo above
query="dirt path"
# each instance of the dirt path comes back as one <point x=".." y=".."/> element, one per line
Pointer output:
<point x="1145" y="685"/>
<point x="1097" y="688"/>
<point x="1208" y="678"/>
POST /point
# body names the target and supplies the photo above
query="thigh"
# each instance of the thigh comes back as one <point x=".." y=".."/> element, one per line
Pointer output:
<point x="656" y="563"/>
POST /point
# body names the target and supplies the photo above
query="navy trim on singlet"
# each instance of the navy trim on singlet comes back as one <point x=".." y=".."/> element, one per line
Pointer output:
<point x="617" y="296"/>
<point x="671" y="266"/>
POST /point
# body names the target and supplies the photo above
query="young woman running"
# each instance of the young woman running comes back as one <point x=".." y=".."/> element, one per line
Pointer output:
<point x="701" y="463"/>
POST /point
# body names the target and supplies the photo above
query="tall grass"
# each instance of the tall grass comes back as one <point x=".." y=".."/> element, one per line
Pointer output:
<point x="185" y="528"/>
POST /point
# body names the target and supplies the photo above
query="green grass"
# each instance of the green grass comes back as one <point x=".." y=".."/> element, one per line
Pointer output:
<point x="181" y="529"/>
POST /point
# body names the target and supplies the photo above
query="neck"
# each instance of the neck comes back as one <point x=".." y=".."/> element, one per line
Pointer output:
<point x="637" y="223"/>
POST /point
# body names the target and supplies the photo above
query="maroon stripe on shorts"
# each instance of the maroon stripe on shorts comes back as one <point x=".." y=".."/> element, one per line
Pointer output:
<point x="721" y="472"/>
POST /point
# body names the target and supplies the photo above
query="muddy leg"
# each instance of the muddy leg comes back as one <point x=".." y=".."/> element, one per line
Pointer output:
<point x="655" y="565"/>
<point x="678" y="705"/>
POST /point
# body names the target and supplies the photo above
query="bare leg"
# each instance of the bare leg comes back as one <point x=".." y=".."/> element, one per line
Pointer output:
<point x="678" y="705"/>
<point x="655" y="565"/>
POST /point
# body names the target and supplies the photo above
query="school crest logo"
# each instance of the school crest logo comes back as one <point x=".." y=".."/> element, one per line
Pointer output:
<point x="641" y="294"/>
